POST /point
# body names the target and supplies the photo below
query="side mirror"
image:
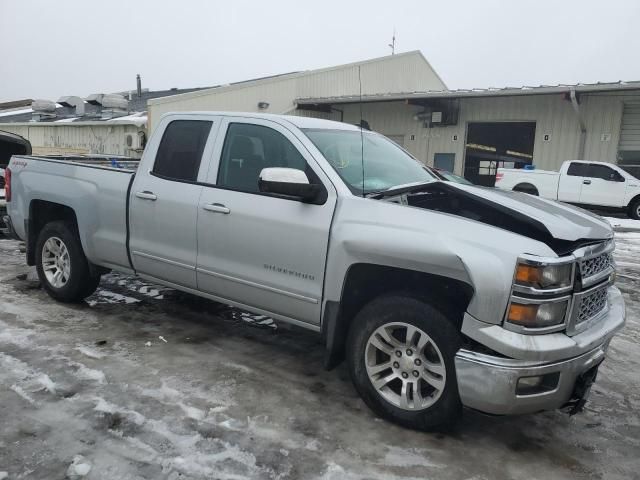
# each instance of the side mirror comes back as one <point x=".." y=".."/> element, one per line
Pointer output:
<point x="289" y="182"/>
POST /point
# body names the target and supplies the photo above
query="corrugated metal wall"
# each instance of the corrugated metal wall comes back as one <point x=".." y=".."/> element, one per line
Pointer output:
<point x="630" y="130"/>
<point x="101" y="139"/>
<point x="553" y="115"/>
<point x="399" y="73"/>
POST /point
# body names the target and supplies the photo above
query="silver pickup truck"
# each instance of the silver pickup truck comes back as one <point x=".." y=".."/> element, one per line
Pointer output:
<point x="439" y="295"/>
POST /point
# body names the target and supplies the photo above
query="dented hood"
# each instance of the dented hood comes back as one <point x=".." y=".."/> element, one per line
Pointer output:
<point x="563" y="221"/>
<point x="563" y="227"/>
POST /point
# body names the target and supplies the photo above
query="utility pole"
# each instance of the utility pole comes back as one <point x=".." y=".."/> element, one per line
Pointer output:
<point x="393" y="43"/>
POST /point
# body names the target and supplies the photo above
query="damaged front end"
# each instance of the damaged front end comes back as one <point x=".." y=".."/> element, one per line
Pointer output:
<point x="544" y="350"/>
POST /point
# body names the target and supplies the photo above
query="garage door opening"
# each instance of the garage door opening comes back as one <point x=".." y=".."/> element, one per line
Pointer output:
<point x="492" y="145"/>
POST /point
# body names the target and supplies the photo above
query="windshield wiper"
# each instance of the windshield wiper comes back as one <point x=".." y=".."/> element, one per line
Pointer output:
<point x="398" y="190"/>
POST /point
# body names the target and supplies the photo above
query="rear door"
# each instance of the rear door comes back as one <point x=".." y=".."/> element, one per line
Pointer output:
<point x="258" y="249"/>
<point x="603" y="185"/>
<point x="570" y="184"/>
<point x="164" y="202"/>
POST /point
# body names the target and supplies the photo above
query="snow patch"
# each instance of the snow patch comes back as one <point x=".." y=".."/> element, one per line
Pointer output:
<point x="624" y="224"/>
<point x="79" y="468"/>
<point x="89" y="352"/>
<point x="105" y="296"/>
<point x="237" y="366"/>
<point x="106" y="407"/>
<point x="406" y="457"/>
<point x="192" y="412"/>
<point x="3" y="475"/>
<point x="86" y="373"/>
<point x="47" y="383"/>
<point x="22" y="393"/>
<point x="20" y="337"/>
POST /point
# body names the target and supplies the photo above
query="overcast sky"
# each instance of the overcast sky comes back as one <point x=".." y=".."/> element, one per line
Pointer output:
<point x="77" y="47"/>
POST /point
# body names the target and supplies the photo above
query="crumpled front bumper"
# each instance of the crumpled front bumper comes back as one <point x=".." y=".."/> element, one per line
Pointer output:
<point x="489" y="383"/>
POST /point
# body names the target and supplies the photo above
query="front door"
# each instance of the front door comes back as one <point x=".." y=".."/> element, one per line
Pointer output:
<point x="164" y="204"/>
<point x="603" y="186"/>
<point x="257" y="249"/>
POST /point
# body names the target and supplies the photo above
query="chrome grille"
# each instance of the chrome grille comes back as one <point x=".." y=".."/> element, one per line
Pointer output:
<point x="595" y="265"/>
<point x="591" y="305"/>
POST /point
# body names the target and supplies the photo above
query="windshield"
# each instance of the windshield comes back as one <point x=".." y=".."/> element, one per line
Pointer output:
<point x="452" y="177"/>
<point x="386" y="165"/>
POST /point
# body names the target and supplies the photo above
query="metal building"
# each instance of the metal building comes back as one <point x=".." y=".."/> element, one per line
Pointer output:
<point x="470" y="132"/>
<point x="473" y="132"/>
<point x="406" y="72"/>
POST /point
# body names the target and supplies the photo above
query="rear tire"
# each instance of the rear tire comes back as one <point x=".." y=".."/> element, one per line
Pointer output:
<point x="634" y="209"/>
<point x="421" y="390"/>
<point x="62" y="267"/>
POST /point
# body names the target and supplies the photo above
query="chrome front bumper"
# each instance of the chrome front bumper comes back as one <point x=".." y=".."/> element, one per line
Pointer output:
<point x="489" y="383"/>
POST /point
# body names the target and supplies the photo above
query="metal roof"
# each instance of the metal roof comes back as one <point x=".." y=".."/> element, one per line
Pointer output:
<point x="478" y="92"/>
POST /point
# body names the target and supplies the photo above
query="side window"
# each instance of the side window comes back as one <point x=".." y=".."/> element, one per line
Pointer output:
<point x="180" y="150"/>
<point x="250" y="148"/>
<point x="577" y="169"/>
<point x="601" y="171"/>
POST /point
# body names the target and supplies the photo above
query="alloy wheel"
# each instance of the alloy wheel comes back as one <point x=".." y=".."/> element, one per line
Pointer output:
<point x="56" y="262"/>
<point x="405" y="366"/>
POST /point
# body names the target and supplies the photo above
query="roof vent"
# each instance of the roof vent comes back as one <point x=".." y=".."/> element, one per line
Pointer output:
<point x="113" y="104"/>
<point x="73" y="102"/>
<point x="43" y="110"/>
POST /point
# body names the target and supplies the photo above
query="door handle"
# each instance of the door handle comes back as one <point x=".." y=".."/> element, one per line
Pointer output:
<point x="147" y="195"/>
<point x="586" y="182"/>
<point x="216" y="207"/>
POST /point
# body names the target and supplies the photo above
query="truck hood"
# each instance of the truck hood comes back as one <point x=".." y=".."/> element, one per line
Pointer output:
<point x="562" y="227"/>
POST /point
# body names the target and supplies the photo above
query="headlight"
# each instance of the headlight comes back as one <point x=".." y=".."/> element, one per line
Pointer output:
<point x="537" y="315"/>
<point x="544" y="276"/>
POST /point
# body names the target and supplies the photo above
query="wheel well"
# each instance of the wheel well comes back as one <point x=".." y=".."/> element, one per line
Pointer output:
<point x="633" y="200"/>
<point x="42" y="212"/>
<point x="364" y="282"/>
<point x="526" y="188"/>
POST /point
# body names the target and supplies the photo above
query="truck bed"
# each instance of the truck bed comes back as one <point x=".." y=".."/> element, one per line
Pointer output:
<point x="94" y="187"/>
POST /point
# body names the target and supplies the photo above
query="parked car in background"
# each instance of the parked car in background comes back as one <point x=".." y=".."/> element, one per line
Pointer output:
<point x="438" y="294"/>
<point x="598" y="185"/>
<point x="10" y="144"/>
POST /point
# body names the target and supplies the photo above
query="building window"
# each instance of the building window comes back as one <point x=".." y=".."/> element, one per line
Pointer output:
<point x="180" y="150"/>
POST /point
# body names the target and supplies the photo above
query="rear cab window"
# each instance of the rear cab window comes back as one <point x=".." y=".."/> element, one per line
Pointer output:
<point x="180" y="151"/>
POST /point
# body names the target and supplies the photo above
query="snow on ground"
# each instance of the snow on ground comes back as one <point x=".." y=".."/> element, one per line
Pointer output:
<point x="624" y="224"/>
<point x="231" y="396"/>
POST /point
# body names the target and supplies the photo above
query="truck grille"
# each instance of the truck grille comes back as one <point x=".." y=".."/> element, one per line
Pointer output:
<point x="591" y="305"/>
<point x="595" y="265"/>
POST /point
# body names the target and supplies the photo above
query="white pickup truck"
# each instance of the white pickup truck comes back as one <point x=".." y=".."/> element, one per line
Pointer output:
<point x="591" y="184"/>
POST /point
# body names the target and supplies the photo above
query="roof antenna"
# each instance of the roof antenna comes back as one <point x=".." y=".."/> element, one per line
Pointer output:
<point x="361" y="133"/>
<point x="392" y="45"/>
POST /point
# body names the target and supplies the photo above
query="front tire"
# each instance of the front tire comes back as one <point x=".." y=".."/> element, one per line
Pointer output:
<point x="634" y="209"/>
<point x="62" y="267"/>
<point x="401" y="359"/>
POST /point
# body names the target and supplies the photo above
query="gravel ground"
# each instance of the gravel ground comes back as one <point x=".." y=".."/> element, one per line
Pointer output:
<point x="142" y="382"/>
